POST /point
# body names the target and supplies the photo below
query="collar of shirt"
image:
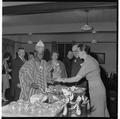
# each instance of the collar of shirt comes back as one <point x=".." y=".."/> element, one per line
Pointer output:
<point x="22" y="59"/>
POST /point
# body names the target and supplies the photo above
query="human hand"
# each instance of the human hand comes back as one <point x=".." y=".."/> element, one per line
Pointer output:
<point x="51" y="81"/>
<point x="34" y="85"/>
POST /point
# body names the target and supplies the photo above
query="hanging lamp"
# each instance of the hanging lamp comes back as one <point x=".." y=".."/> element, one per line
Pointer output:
<point x="30" y="41"/>
<point x="87" y="27"/>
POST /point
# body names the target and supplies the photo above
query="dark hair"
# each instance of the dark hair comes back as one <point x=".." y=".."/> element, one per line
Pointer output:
<point x="54" y="52"/>
<point x="6" y="55"/>
<point x="21" y="48"/>
<point x="84" y="47"/>
<point x="31" y="53"/>
<point x="74" y="44"/>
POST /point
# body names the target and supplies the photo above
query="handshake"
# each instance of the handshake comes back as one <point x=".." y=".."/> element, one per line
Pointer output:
<point x="51" y="81"/>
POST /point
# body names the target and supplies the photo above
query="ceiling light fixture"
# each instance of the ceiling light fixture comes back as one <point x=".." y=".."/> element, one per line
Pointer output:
<point x="29" y="40"/>
<point x="94" y="39"/>
<point x="86" y="27"/>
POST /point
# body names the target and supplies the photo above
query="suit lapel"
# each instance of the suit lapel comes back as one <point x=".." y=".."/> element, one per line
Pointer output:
<point x="20" y="60"/>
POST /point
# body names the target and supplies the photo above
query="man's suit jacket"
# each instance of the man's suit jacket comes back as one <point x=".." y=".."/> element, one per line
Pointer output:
<point x="16" y="65"/>
<point x="76" y="66"/>
<point x="68" y="65"/>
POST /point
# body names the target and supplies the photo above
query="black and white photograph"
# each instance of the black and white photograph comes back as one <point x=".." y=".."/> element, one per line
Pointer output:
<point x="59" y="59"/>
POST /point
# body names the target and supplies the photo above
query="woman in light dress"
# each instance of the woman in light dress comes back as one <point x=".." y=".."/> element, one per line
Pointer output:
<point x="90" y="69"/>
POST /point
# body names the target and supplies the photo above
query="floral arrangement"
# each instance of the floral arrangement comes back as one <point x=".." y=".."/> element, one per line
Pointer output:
<point x="75" y="101"/>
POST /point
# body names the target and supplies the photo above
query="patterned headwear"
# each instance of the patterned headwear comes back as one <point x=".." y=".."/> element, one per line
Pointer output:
<point x="40" y="45"/>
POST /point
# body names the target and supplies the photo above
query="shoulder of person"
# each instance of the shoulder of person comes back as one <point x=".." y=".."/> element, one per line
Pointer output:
<point x="91" y="60"/>
<point x="49" y="62"/>
<point x="49" y="65"/>
<point x="28" y="63"/>
<point x="60" y="62"/>
<point x="44" y="62"/>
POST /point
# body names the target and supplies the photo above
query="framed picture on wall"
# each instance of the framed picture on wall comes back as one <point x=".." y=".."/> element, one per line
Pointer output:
<point x="100" y="57"/>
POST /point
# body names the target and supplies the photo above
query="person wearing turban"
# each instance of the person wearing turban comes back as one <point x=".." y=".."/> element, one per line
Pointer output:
<point x="33" y="74"/>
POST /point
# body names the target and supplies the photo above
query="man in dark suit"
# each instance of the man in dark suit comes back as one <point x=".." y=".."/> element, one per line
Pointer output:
<point x="68" y="63"/>
<point x="16" y="65"/>
<point x="76" y="64"/>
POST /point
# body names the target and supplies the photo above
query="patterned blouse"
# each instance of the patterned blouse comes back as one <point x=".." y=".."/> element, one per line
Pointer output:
<point x="56" y="70"/>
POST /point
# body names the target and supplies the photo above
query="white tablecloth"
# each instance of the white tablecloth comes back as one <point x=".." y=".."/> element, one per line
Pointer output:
<point x="7" y="113"/>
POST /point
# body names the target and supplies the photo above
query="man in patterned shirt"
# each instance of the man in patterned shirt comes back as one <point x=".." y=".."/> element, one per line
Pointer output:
<point x="33" y="74"/>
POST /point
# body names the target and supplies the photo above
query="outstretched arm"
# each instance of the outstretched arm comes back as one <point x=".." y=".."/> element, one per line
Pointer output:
<point x="72" y="79"/>
<point x="87" y="67"/>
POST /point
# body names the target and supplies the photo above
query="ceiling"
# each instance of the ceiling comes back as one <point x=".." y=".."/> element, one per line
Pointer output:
<point x="6" y="4"/>
<point x="51" y="13"/>
<point x="75" y="16"/>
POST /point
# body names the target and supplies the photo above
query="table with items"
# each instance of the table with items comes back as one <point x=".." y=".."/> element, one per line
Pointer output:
<point x="58" y="101"/>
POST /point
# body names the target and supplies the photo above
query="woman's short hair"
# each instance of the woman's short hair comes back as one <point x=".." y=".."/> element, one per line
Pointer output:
<point x="21" y="48"/>
<point x="84" y="47"/>
<point x="54" y="52"/>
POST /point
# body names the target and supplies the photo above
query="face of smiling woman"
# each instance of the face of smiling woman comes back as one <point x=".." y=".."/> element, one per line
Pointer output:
<point x="54" y="56"/>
